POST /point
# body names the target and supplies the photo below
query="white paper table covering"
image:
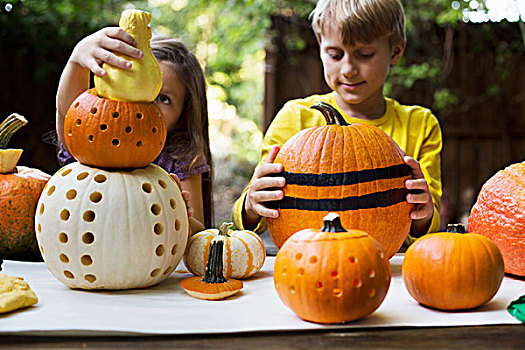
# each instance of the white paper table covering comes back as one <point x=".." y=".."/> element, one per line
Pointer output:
<point x="167" y="309"/>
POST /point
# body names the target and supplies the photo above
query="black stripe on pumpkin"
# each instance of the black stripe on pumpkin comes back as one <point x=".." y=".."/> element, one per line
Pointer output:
<point x="346" y="178"/>
<point x="367" y="201"/>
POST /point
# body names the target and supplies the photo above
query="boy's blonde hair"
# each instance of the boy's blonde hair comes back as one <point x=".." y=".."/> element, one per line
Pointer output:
<point x="360" y="21"/>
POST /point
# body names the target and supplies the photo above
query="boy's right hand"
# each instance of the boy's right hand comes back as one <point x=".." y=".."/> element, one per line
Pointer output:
<point x="101" y="47"/>
<point x="263" y="189"/>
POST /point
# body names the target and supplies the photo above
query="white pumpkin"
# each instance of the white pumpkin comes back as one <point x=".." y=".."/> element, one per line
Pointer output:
<point x="243" y="256"/>
<point x="100" y="229"/>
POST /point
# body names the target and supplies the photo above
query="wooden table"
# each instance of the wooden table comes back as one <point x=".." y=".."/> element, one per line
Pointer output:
<point x="478" y="338"/>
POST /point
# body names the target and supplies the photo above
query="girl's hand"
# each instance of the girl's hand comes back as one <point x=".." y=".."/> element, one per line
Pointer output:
<point x="419" y="196"/>
<point x="101" y="46"/>
<point x="185" y="194"/>
<point x="264" y="188"/>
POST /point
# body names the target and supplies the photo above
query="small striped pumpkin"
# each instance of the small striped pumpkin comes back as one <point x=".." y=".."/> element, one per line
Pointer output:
<point x="244" y="251"/>
<point x="356" y="171"/>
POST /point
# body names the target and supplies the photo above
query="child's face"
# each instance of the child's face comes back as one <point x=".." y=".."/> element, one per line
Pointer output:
<point x="171" y="96"/>
<point x="357" y="72"/>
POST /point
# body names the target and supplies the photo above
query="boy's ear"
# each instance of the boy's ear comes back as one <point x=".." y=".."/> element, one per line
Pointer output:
<point x="397" y="52"/>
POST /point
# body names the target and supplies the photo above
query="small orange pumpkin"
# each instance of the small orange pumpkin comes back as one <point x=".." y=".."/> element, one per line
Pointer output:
<point x="354" y="170"/>
<point x="331" y="275"/>
<point x="114" y="134"/>
<point x="498" y="215"/>
<point x="453" y="270"/>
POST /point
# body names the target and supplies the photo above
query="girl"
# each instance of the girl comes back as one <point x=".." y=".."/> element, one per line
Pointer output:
<point x="182" y="100"/>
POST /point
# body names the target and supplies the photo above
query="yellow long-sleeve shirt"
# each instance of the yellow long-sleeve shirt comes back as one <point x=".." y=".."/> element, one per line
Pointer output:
<point x="415" y="129"/>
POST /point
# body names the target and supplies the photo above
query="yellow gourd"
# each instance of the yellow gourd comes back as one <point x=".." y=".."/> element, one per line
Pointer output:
<point x="143" y="81"/>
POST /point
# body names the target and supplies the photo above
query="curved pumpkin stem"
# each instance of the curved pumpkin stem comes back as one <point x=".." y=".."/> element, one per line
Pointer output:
<point x="331" y="114"/>
<point x="214" y="265"/>
<point x="9" y="126"/>
<point x="456" y="228"/>
<point x="332" y="223"/>
<point x="225" y="228"/>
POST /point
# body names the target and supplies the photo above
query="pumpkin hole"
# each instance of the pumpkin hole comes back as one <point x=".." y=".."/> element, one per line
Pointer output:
<point x="70" y="132"/>
<point x="313" y="259"/>
<point x="155" y="273"/>
<point x="64" y="258"/>
<point x="90" y="278"/>
<point x="334" y="274"/>
<point x="115" y="142"/>
<point x="292" y="289"/>
<point x="86" y="260"/>
<point x="163" y="184"/>
<point x="115" y="114"/>
<point x="154" y="130"/>
<point x="173" y="203"/>
<point x="82" y="176"/>
<point x="78" y="122"/>
<point x="284" y="270"/>
<point x="174" y="249"/>
<point x="88" y="238"/>
<point x="69" y="274"/>
<point x="94" y="110"/>
<point x="156" y="209"/>
<point x="77" y="104"/>
<point x="88" y="216"/>
<point x="371" y="274"/>
<point x="51" y="189"/>
<point x="158" y="229"/>
<point x="357" y="283"/>
<point x="178" y="225"/>
<point x="168" y="270"/>
<point x="139" y="143"/>
<point x="71" y="194"/>
<point x="337" y="292"/>
<point x="103" y="127"/>
<point x="90" y="138"/>
<point x="128" y="129"/>
<point x="65" y="172"/>
<point x="319" y="285"/>
<point x="372" y="293"/>
<point x="147" y="187"/>
<point x="160" y="250"/>
<point x="63" y="238"/>
<point x="352" y="259"/>
<point x="95" y="197"/>
<point x="298" y="256"/>
<point x="381" y="255"/>
<point x="100" y="178"/>
<point x="64" y="215"/>
<point x="39" y="228"/>
<point x="42" y="209"/>
<point x="139" y="115"/>
<point x="300" y="271"/>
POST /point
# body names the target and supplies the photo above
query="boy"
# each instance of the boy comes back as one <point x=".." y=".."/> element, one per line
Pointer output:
<point x="359" y="40"/>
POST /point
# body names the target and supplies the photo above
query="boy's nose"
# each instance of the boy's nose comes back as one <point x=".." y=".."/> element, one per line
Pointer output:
<point x="348" y="68"/>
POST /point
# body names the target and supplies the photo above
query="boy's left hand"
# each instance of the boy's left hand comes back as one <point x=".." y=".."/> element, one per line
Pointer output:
<point x="419" y="192"/>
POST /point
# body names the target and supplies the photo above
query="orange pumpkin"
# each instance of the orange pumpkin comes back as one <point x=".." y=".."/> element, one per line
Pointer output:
<point x="114" y="134"/>
<point x="20" y="188"/>
<point x="354" y="170"/>
<point x="453" y="270"/>
<point x="331" y="275"/>
<point x="498" y="215"/>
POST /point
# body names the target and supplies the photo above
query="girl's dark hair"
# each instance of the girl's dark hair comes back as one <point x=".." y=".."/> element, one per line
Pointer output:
<point x="191" y="129"/>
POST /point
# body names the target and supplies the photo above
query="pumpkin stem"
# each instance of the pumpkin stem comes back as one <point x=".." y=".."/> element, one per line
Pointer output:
<point x="332" y="223"/>
<point x="225" y="228"/>
<point x="332" y="115"/>
<point x="9" y="126"/>
<point x="456" y="228"/>
<point x="213" y="272"/>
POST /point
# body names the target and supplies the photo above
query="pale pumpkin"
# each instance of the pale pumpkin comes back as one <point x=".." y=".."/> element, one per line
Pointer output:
<point x="101" y="229"/>
<point x="453" y="270"/>
<point x="332" y="275"/>
<point x="354" y="170"/>
<point x="244" y="251"/>
<point x="143" y="81"/>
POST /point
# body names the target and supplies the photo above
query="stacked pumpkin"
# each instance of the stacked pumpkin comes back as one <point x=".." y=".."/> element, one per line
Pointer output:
<point x="113" y="220"/>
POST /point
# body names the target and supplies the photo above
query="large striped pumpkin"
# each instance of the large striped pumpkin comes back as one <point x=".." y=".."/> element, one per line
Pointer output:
<point x="354" y="170"/>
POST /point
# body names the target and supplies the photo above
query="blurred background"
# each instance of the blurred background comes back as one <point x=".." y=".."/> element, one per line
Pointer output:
<point x="464" y="60"/>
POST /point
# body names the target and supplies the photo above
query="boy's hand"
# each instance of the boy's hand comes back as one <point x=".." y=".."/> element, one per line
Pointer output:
<point x="101" y="46"/>
<point x="419" y="196"/>
<point x="263" y="189"/>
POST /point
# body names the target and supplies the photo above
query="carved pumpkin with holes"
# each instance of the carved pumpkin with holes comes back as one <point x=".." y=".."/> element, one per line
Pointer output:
<point x="332" y="275"/>
<point x="100" y="229"/>
<point x="114" y="134"/>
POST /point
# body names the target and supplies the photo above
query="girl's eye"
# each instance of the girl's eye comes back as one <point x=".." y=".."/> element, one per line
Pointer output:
<point x="163" y="99"/>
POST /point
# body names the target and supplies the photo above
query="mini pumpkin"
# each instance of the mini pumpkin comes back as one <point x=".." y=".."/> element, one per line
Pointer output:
<point x="101" y="229"/>
<point x="213" y="286"/>
<point x="354" y="170"/>
<point x="453" y="270"/>
<point x="498" y="215"/>
<point x="20" y="188"/>
<point x="332" y="275"/>
<point x="244" y="251"/>
<point x="106" y="133"/>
